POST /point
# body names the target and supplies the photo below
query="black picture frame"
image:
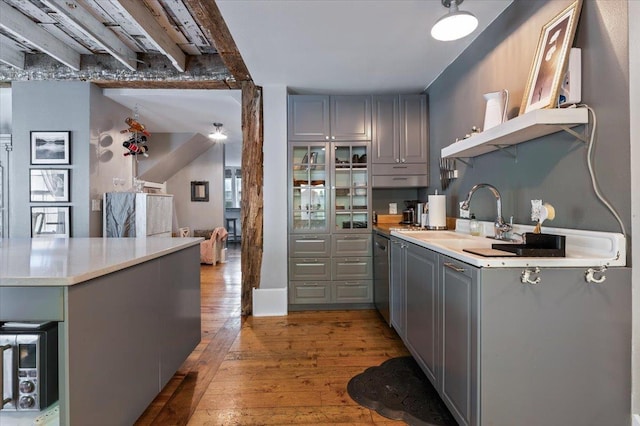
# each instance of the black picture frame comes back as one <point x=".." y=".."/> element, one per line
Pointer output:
<point x="49" y="185"/>
<point x="50" y="147"/>
<point x="199" y="190"/>
<point x="50" y="221"/>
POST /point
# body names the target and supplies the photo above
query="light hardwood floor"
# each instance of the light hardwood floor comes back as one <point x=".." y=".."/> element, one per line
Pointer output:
<point x="272" y="370"/>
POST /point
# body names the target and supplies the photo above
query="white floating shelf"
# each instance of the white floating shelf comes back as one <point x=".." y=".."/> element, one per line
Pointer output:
<point x="526" y="127"/>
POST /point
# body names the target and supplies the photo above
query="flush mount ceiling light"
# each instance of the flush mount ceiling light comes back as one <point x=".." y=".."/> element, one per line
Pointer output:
<point x="217" y="134"/>
<point x="455" y="24"/>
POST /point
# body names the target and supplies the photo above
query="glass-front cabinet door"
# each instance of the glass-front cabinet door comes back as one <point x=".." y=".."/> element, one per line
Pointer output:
<point x="352" y="194"/>
<point x="308" y="173"/>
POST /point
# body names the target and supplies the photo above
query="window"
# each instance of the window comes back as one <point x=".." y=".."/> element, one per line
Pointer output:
<point x="232" y="187"/>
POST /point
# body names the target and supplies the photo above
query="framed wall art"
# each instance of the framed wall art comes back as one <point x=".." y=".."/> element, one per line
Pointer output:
<point x="49" y="185"/>
<point x="199" y="191"/>
<point x="50" y="148"/>
<point x="50" y="221"/>
<point x="550" y="62"/>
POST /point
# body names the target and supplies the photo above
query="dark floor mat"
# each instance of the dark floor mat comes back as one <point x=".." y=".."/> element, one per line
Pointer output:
<point x="399" y="390"/>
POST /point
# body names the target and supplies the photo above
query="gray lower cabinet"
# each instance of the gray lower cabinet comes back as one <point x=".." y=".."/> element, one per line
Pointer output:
<point x="458" y="378"/>
<point x="500" y="352"/>
<point x="422" y="307"/>
<point x="341" y="273"/>
<point x="397" y="304"/>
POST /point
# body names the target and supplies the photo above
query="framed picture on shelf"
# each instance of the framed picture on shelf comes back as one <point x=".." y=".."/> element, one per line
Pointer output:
<point x="549" y="64"/>
<point x="50" y="148"/>
<point x="50" y="221"/>
<point x="49" y="185"/>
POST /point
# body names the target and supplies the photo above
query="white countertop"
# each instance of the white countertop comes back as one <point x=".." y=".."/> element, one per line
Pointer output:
<point x="68" y="261"/>
<point x="583" y="248"/>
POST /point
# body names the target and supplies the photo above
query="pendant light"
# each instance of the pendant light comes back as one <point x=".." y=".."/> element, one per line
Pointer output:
<point x="217" y="134"/>
<point x="455" y="24"/>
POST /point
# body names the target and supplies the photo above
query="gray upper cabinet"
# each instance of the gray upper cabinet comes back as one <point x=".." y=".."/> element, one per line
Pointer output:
<point x="399" y="130"/>
<point x="329" y="118"/>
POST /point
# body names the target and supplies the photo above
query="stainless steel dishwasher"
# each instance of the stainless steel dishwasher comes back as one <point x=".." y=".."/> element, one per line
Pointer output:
<point x="381" y="275"/>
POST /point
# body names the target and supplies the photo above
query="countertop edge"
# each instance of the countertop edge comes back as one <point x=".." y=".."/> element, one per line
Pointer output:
<point x="70" y="280"/>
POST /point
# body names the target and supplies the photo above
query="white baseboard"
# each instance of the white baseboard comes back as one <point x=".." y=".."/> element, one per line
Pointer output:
<point x="636" y="420"/>
<point x="270" y="302"/>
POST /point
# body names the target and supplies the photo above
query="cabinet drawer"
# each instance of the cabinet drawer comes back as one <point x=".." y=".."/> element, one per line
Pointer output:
<point x="31" y="304"/>
<point x="352" y="268"/>
<point x="399" y="181"/>
<point x="353" y="291"/>
<point x="352" y="245"/>
<point x="309" y="245"/>
<point x="309" y="269"/>
<point x="309" y="292"/>
<point x="399" y="169"/>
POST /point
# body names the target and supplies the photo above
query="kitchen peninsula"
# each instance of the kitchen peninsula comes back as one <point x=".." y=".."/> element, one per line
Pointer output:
<point x="128" y="313"/>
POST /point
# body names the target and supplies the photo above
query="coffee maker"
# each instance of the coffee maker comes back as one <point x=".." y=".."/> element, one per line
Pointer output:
<point x="409" y="213"/>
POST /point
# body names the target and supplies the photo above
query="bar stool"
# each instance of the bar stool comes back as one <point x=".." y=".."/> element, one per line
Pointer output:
<point x="232" y="220"/>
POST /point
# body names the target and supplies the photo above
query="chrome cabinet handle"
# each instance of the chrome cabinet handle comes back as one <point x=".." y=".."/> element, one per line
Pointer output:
<point x="454" y="267"/>
<point x="381" y="246"/>
<point x="4" y="401"/>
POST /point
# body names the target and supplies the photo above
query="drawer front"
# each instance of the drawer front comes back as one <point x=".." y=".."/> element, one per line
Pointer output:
<point x="309" y="292"/>
<point x="399" y="181"/>
<point x="31" y="304"/>
<point x="352" y="268"/>
<point x="353" y="291"/>
<point x="399" y="169"/>
<point x="352" y="245"/>
<point x="309" y="245"/>
<point x="302" y="269"/>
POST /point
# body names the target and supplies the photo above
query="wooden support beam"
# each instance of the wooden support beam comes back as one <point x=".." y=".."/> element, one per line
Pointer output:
<point x="215" y="29"/>
<point x="252" y="205"/>
<point x="154" y="31"/>
<point x="10" y="54"/>
<point x="24" y="28"/>
<point x="75" y="15"/>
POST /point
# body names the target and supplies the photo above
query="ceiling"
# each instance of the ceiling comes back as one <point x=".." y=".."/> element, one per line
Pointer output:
<point x="311" y="46"/>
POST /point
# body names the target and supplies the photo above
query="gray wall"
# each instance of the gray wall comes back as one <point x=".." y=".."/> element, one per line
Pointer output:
<point x="50" y="105"/>
<point x="552" y="168"/>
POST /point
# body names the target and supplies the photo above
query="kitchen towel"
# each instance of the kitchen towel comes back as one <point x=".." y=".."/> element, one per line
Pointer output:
<point x="437" y="211"/>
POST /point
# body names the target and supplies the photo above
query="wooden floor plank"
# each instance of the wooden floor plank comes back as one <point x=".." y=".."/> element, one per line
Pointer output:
<point x="289" y="370"/>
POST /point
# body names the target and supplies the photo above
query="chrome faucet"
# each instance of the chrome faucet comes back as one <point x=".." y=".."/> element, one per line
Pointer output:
<point x="500" y="226"/>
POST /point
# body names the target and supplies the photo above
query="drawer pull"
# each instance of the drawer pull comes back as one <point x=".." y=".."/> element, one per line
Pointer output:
<point x="454" y="267"/>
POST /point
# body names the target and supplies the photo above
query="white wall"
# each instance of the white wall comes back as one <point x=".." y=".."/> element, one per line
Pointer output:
<point x="5" y="110"/>
<point x="106" y="157"/>
<point x="634" y="104"/>
<point x="274" y="260"/>
<point x="199" y="215"/>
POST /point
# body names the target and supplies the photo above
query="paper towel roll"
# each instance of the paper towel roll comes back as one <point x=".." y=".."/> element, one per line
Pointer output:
<point x="437" y="211"/>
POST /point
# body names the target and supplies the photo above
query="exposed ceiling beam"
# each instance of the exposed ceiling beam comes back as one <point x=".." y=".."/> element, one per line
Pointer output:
<point x="154" y="31"/>
<point x="10" y="54"/>
<point x="210" y="19"/>
<point x="22" y="27"/>
<point x="75" y="15"/>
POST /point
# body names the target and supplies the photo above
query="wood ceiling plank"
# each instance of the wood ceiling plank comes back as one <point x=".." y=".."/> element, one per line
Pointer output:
<point x="176" y="84"/>
<point x="210" y="19"/>
<point x="55" y="30"/>
<point x="152" y="29"/>
<point x="171" y="27"/>
<point x="186" y="22"/>
<point x="17" y="24"/>
<point x="10" y="54"/>
<point x="75" y="15"/>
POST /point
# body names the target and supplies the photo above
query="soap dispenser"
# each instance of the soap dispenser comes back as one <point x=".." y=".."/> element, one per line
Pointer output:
<point x="474" y="226"/>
